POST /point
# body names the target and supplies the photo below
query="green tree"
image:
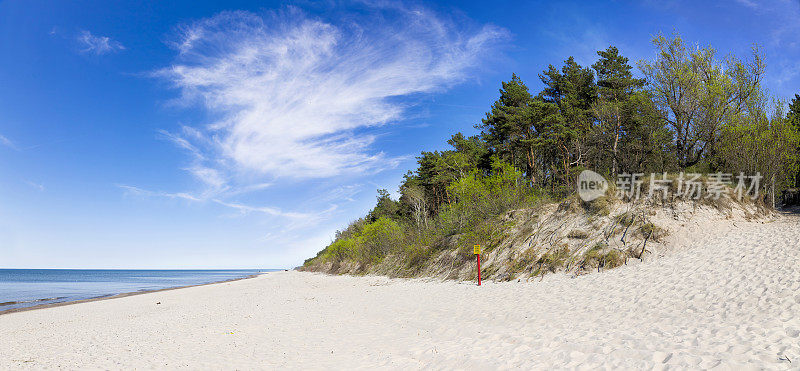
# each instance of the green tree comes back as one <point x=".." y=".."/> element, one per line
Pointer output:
<point x="761" y="142"/>
<point x="793" y="117"/>
<point x="468" y="153"/>
<point x="794" y="112"/>
<point x="646" y="143"/>
<point x="615" y="85"/>
<point x="573" y="90"/>
<point x="698" y="94"/>
<point x="508" y="128"/>
<point x="479" y="196"/>
<point x="385" y="207"/>
<point x="424" y="190"/>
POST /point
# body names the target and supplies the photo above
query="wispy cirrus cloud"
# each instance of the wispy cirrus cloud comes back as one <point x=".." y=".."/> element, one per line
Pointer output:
<point x="295" y="101"/>
<point x="98" y="45"/>
<point x="748" y="3"/>
<point x="297" y="95"/>
<point x="136" y="191"/>
<point x="8" y="143"/>
<point x="37" y="186"/>
<point x="243" y="209"/>
<point x="247" y="209"/>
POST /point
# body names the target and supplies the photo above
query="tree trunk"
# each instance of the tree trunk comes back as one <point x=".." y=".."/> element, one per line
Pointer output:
<point x="531" y="164"/>
<point x="616" y="144"/>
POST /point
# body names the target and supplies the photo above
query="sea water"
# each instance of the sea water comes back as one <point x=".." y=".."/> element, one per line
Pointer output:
<point x="21" y="288"/>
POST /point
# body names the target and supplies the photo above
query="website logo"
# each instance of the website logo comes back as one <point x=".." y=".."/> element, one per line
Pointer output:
<point x="591" y="185"/>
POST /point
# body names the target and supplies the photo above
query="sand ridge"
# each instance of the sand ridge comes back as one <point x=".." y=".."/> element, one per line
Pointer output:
<point x="730" y="299"/>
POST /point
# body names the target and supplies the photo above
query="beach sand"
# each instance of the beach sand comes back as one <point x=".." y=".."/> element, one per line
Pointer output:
<point x="729" y="297"/>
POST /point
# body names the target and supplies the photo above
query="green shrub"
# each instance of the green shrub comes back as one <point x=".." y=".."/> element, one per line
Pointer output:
<point x="341" y="249"/>
<point x="380" y="238"/>
<point x="479" y="197"/>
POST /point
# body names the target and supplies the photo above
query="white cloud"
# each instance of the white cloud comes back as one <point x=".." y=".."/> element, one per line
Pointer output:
<point x="241" y="208"/>
<point x="294" y="98"/>
<point x="38" y="186"/>
<point x="247" y="209"/>
<point x="98" y="44"/>
<point x="136" y="191"/>
<point x="250" y="188"/>
<point x="296" y="95"/>
<point x="8" y="143"/>
<point x="748" y="3"/>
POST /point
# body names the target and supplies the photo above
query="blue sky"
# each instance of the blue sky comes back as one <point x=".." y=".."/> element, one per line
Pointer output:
<point x="243" y="134"/>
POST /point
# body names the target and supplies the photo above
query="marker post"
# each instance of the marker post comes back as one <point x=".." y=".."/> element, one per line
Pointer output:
<point x="477" y="251"/>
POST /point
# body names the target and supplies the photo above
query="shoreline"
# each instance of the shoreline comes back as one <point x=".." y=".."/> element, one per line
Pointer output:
<point x="120" y="295"/>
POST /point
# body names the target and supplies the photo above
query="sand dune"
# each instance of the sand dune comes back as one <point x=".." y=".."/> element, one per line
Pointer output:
<point x="729" y="298"/>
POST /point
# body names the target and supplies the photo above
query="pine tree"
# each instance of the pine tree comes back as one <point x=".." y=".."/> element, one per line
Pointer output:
<point x="573" y="91"/>
<point x="794" y="112"/>
<point x="513" y="126"/>
<point x="615" y="85"/>
<point x="794" y="118"/>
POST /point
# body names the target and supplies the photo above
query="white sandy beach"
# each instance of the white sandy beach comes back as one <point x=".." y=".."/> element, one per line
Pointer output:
<point x="731" y="298"/>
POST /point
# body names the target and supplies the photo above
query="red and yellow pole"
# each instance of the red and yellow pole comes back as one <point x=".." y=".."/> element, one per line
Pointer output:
<point x="477" y="251"/>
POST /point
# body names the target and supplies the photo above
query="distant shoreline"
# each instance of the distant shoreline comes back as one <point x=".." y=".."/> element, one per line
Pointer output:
<point x="121" y="295"/>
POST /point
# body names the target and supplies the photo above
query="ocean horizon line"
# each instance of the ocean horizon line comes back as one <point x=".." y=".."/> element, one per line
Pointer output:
<point x="21" y="289"/>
